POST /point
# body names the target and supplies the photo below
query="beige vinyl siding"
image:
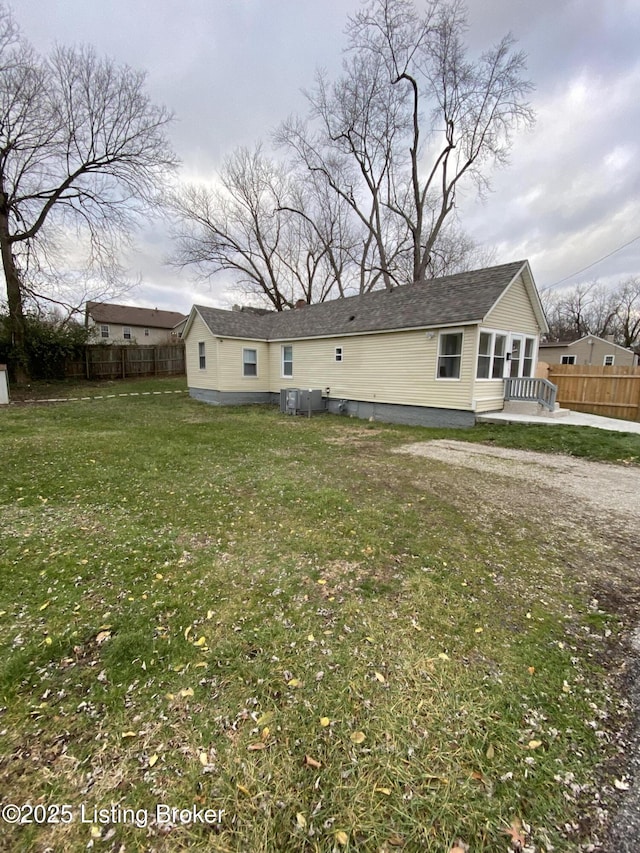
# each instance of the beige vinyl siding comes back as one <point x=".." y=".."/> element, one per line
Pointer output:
<point x="392" y="367"/>
<point x="206" y="379"/>
<point x="489" y="395"/>
<point x="513" y="311"/>
<point x="230" y="366"/>
<point x="512" y="314"/>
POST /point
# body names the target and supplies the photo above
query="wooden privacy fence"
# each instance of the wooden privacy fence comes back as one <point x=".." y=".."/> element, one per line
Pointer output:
<point x="610" y="391"/>
<point x="121" y="362"/>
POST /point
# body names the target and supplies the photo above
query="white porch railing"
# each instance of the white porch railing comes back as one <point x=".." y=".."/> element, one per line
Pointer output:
<point x="531" y="389"/>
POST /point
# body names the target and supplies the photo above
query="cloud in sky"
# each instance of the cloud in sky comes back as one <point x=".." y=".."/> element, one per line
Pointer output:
<point x="233" y="69"/>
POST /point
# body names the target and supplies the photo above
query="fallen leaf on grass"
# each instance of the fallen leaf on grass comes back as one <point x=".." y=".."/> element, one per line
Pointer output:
<point x="311" y="762"/>
<point x="621" y="785"/>
<point x="301" y="821"/>
<point x="379" y="677"/>
<point x="342" y="838"/>
<point x="518" y="839"/>
<point x="324" y="722"/>
<point x="294" y="682"/>
<point x="44" y="606"/>
<point x="357" y="737"/>
<point x="534" y="744"/>
<point x="243" y="790"/>
<point x="153" y="760"/>
<point x="254" y="747"/>
<point x="395" y="841"/>
<point x="204" y="759"/>
<point x="186" y="691"/>
<point x="490" y="753"/>
<point x="386" y="791"/>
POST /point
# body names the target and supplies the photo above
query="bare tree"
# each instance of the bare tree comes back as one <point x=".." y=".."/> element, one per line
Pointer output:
<point x="595" y="309"/>
<point x="264" y="227"/>
<point x="82" y="150"/>
<point x="411" y="120"/>
<point x="628" y="313"/>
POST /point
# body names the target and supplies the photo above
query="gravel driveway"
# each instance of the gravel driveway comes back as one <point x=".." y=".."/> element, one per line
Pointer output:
<point x="580" y="498"/>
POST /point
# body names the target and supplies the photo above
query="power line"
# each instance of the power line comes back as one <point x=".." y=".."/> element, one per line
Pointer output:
<point x="588" y="267"/>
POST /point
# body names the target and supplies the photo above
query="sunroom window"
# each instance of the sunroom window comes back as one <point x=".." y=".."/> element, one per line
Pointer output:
<point x="491" y="355"/>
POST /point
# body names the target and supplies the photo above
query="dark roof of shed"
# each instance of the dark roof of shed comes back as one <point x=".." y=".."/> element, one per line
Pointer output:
<point x="127" y="315"/>
<point x="463" y="298"/>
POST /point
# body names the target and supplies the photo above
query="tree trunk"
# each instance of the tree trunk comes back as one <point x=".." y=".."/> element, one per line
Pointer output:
<point x="19" y="366"/>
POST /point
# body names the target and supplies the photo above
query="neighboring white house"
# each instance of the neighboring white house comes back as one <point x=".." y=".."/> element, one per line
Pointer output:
<point x="589" y="349"/>
<point x="124" y="324"/>
<point x="436" y="352"/>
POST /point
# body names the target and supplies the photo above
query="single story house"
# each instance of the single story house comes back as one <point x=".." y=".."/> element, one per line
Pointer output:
<point x="431" y="353"/>
<point x="589" y="349"/>
<point x="125" y="324"/>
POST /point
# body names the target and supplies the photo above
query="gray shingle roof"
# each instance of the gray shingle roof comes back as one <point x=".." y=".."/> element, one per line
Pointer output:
<point x="463" y="298"/>
<point x="127" y="315"/>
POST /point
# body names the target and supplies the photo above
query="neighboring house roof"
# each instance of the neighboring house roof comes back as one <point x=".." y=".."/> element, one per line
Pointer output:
<point x="452" y="300"/>
<point x="559" y="344"/>
<point x="126" y="315"/>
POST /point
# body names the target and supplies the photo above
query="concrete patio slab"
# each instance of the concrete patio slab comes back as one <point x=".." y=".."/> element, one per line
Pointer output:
<point x="570" y="419"/>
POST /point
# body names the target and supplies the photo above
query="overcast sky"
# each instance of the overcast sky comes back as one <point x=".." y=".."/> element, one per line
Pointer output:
<point x="231" y="70"/>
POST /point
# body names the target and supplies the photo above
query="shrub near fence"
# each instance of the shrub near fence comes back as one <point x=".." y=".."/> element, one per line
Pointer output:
<point x="122" y="362"/>
<point x="613" y="392"/>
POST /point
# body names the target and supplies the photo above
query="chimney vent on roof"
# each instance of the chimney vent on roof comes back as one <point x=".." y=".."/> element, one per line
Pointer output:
<point x="301" y="303"/>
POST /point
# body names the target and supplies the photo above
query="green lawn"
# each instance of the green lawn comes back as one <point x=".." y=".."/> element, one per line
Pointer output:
<point x="234" y="610"/>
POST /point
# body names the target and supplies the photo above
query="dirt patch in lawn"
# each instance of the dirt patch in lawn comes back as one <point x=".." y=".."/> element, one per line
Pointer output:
<point x="593" y="510"/>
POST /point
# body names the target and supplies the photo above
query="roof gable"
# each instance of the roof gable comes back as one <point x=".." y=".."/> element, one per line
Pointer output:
<point x="456" y="299"/>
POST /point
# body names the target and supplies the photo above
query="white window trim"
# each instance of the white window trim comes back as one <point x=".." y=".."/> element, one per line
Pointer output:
<point x="562" y="357"/>
<point x="126" y="337"/>
<point x="248" y="375"/>
<point x="611" y="363"/>
<point x="202" y="354"/>
<point x="284" y="375"/>
<point x="102" y="327"/>
<point x="339" y="351"/>
<point x="453" y="331"/>
<point x="493" y="333"/>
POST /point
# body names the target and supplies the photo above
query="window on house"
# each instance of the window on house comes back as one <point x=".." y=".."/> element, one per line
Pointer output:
<point x="287" y="361"/>
<point x="568" y="359"/>
<point x="249" y="362"/>
<point x="491" y="355"/>
<point x="104" y="331"/>
<point x="338" y="353"/>
<point x="449" y="355"/>
<point x="202" y="355"/>
<point x="527" y="362"/>
<point x="126" y="333"/>
<point x="146" y="333"/>
<point x="516" y="356"/>
<point x="499" y="352"/>
<point x="609" y="360"/>
<point x="485" y="351"/>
